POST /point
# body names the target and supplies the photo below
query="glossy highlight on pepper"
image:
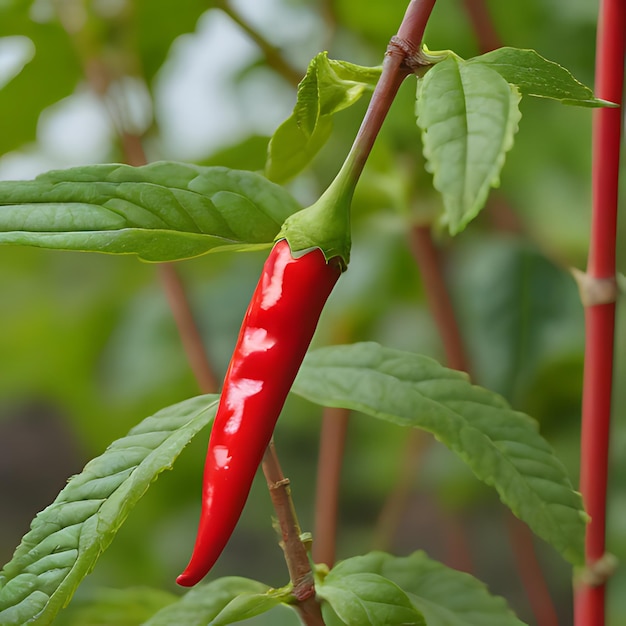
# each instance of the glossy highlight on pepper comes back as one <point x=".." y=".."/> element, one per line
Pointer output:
<point x="274" y="337"/>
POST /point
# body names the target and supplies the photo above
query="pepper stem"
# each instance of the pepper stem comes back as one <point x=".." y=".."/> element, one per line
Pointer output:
<point x="326" y="224"/>
<point x="296" y="554"/>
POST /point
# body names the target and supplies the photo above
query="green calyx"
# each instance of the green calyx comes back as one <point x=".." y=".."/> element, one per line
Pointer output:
<point x="326" y="223"/>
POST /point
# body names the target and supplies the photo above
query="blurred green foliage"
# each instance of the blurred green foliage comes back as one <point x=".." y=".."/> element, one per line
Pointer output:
<point x="90" y="347"/>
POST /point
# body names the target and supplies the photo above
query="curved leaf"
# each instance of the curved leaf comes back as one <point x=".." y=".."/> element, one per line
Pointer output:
<point x="367" y="599"/>
<point x="501" y="446"/>
<point x="249" y="605"/>
<point x="66" y="538"/>
<point x="537" y="76"/>
<point x="161" y="212"/>
<point x="445" y="596"/>
<point x="468" y="115"/>
<point x="328" y="87"/>
<point x="206" y="601"/>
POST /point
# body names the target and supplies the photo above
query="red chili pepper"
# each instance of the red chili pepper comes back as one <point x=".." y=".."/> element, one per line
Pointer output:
<point x="274" y="337"/>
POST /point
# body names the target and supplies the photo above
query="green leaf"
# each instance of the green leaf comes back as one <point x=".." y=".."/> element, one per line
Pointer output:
<point x="328" y="87"/>
<point x="536" y="76"/>
<point x="51" y="75"/>
<point x="122" y="607"/>
<point x="156" y="26"/>
<point x="501" y="446"/>
<point x="518" y="310"/>
<point x="468" y="115"/>
<point x="66" y="538"/>
<point x="366" y="599"/>
<point x="161" y="212"/>
<point x="206" y="601"/>
<point x="248" y="605"/>
<point x="444" y="596"/>
<point x="248" y="154"/>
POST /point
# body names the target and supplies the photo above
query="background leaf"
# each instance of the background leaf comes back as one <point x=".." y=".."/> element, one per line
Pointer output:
<point x="156" y="26"/>
<point x="160" y="212"/>
<point x="468" y="115"/>
<point x="328" y="87"/>
<point x="536" y="76"/>
<point x="51" y="75"/>
<point x="122" y="607"/>
<point x="518" y="311"/>
<point x="67" y="537"/>
<point x="445" y="596"/>
<point x="501" y="446"/>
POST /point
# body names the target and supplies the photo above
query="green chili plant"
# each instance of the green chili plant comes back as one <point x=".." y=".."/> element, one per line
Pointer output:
<point x="466" y="116"/>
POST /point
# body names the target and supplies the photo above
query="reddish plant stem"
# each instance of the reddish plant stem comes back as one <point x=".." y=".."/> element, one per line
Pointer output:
<point x="332" y="445"/>
<point x="401" y="59"/>
<point x="523" y="545"/>
<point x="295" y="551"/>
<point x="482" y="23"/>
<point x="272" y="54"/>
<point x="458" y="553"/>
<point x="520" y="537"/>
<point x="428" y="260"/>
<point x="396" y="503"/>
<point x="176" y="295"/>
<point x="414" y="23"/>
<point x="100" y="77"/>
<point x="589" y="601"/>
<point x="187" y="328"/>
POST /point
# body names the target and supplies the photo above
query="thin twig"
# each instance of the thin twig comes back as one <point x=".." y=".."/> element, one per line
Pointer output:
<point x="187" y="328"/>
<point x="482" y="23"/>
<point x="428" y="260"/>
<point x="294" y="549"/>
<point x="177" y="298"/>
<point x="395" y="504"/>
<point x="328" y="11"/>
<point x="272" y="55"/>
<point x="332" y="445"/>
<point x="521" y="540"/>
<point x="100" y="77"/>
<point x="402" y="59"/>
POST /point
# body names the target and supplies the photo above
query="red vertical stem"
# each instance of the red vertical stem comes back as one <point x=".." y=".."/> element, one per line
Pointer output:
<point x="600" y="316"/>
<point x="332" y="446"/>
